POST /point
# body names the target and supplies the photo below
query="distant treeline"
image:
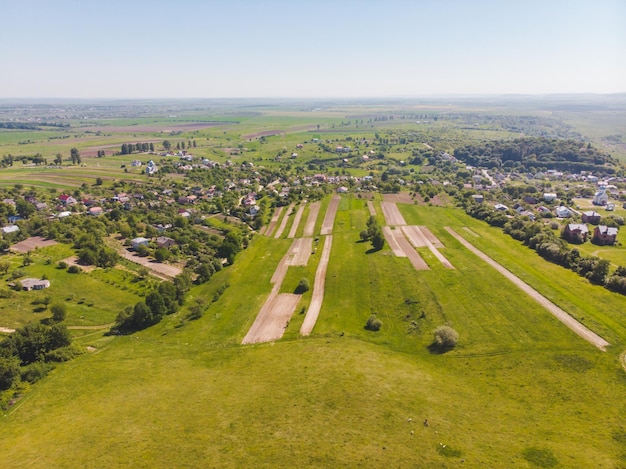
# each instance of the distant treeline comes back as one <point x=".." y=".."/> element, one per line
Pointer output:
<point x="31" y="126"/>
<point x="128" y="148"/>
<point x="539" y="154"/>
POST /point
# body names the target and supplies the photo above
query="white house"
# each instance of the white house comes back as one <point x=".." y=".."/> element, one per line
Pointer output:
<point x="10" y="229"/>
<point x="601" y="197"/>
<point x="135" y="243"/>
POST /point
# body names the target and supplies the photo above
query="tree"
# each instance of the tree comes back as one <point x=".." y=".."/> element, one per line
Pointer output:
<point x="303" y="286"/>
<point x="9" y="372"/>
<point x="99" y="181"/>
<point x="373" y="323"/>
<point x="58" y="159"/>
<point x="446" y="338"/>
<point x="167" y="145"/>
<point x="5" y="266"/>
<point x="59" y="312"/>
<point x="155" y="302"/>
<point x="75" y="156"/>
<point x="161" y="254"/>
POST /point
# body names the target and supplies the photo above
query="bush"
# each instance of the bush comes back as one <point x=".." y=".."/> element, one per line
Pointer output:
<point x="373" y="323"/>
<point x="74" y="269"/>
<point x="445" y="337"/>
<point x="303" y="286"/>
<point x="62" y="354"/>
<point x="62" y="265"/>
<point x="35" y="371"/>
<point x="59" y="311"/>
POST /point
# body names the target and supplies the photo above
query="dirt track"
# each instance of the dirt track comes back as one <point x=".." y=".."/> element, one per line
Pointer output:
<point x="392" y="214"/>
<point x="318" y="289"/>
<point x="560" y="314"/>
<point x="296" y="222"/>
<point x="314" y="211"/>
<point x="371" y="208"/>
<point x="283" y="222"/>
<point x="419" y="239"/>
<point x="329" y="218"/>
<point x="164" y="271"/>
<point x="273" y="221"/>
<point x="402" y="248"/>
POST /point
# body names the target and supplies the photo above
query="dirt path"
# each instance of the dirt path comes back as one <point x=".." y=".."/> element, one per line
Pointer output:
<point x="314" y="211"/>
<point x="163" y="271"/>
<point x="272" y="319"/>
<point x="91" y="328"/>
<point x="283" y="222"/>
<point x="7" y="330"/>
<point x="416" y="260"/>
<point x="318" y="290"/>
<point x="560" y="314"/>
<point x="392" y="214"/>
<point x="329" y="218"/>
<point x="371" y="208"/>
<point x="391" y="241"/>
<point x="273" y="221"/>
<point x="300" y="251"/>
<point x="296" y="222"/>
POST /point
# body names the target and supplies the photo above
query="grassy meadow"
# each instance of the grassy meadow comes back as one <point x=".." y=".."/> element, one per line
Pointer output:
<point x="520" y="389"/>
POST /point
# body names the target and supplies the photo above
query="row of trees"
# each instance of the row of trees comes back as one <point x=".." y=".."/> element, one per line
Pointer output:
<point x="128" y="148"/>
<point x="536" y="235"/>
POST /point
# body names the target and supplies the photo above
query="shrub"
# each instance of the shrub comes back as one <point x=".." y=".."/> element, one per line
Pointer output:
<point x="74" y="269"/>
<point x="62" y="265"/>
<point x="62" y="354"/>
<point x="373" y="323"/>
<point x="35" y="371"/>
<point x="446" y="337"/>
<point x="303" y="286"/>
<point x="59" y="311"/>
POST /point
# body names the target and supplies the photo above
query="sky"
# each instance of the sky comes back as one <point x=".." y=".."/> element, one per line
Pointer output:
<point x="302" y="48"/>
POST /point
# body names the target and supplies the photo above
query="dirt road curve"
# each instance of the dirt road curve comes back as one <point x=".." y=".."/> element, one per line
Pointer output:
<point x="561" y="315"/>
<point x="318" y="289"/>
<point x="284" y="221"/>
<point x="329" y="218"/>
<point x="314" y="211"/>
<point x="392" y="214"/>
<point x="296" y="222"/>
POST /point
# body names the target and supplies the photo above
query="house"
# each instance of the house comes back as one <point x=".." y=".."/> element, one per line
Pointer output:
<point x="10" y="229"/>
<point x="136" y="242"/>
<point x="563" y="212"/>
<point x="34" y="284"/>
<point x="529" y="199"/>
<point x="95" y="211"/>
<point x="478" y="198"/>
<point x="604" y="235"/>
<point x="41" y="206"/>
<point x="501" y="207"/>
<point x="165" y="242"/>
<point x="342" y="190"/>
<point x="136" y="163"/>
<point x="151" y="168"/>
<point x="64" y="214"/>
<point x="591" y="217"/>
<point x="67" y="199"/>
<point x="601" y="197"/>
<point x="549" y="196"/>
<point x="576" y="232"/>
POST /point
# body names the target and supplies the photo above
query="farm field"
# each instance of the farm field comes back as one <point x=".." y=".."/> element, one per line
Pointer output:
<point x="519" y="386"/>
<point x="267" y="377"/>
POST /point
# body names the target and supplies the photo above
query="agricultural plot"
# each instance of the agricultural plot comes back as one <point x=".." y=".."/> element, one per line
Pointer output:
<point x="32" y="243"/>
<point x="283" y="222"/>
<point x="296" y="221"/>
<point x="419" y="239"/>
<point x="309" y="227"/>
<point x="392" y="215"/>
<point x="329" y="218"/>
<point x="319" y="285"/>
<point x="273" y="222"/>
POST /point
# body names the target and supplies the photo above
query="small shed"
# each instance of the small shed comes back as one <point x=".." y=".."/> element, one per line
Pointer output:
<point x="135" y="243"/>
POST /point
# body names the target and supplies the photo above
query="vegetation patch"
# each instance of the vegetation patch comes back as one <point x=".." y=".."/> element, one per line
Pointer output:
<point x="540" y="457"/>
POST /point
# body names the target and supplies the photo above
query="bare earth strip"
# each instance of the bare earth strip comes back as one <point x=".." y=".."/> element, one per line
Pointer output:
<point x="431" y="237"/>
<point x="414" y="235"/>
<point x="560" y="314"/>
<point x="422" y="239"/>
<point x="272" y="319"/>
<point x="284" y="221"/>
<point x="7" y="330"/>
<point x="329" y="218"/>
<point x="32" y="243"/>
<point x="314" y="211"/>
<point x="473" y="233"/>
<point x="414" y="257"/>
<point x="391" y="241"/>
<point x="372" y="209"/>
<point x="392" y="214"/>
<point x="164" y="271"/>
<point x="273" y="221"/>
<point x="300" y="251"/>
<point x="296" y="222"/>
<point x="318" y="290"/>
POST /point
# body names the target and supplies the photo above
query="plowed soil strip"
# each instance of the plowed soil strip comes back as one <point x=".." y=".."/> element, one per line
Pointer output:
<point x="414" y="257"/>
<point x="318" y="289"/>
<point x="392" y="214"/>
<point x="272" y="320"/>
<point x="32" y="243"/>
<point x="431" y="237"/>
<point x="283" y="222"/>
<point x="314" y="210"/>
<point x="273" y="221"/>
<point x="391" y="241"/>
<point x="329" y="218"/>
<point x="296" y="222"/>
<point x="423" y="240"/>
<point x="414" y="235"/>
<point x="372" y="209"/>
<point x="560" y="314"/>
<point x="300" y="251"/>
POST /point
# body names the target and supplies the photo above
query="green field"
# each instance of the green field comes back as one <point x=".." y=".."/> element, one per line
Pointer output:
<point x="520" y="390"/>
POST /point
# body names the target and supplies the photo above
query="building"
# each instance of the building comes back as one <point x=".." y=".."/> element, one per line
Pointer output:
<point x="135" y="243"/>
<point x="165" y="242"/>
<point x="34" y="284"/>
<point x="563" y="212"/>
<point x="591" y="217"/>
<point x="601" y="197"/>
<point x="576" y="232"/>
<point x="10" y="229"/>
<point x="604" y="235"/>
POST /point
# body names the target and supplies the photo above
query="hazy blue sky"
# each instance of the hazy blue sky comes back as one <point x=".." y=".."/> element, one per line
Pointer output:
<point x="280" y="48"/>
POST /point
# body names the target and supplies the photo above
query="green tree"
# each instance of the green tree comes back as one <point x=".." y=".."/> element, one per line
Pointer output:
<point x="59" y="312"/>
<point x="445" y="337"/>
<point x="75" y="156"/>
<point x="167" y="145"/>
<point x="58" y="159"/>
<point x="9" y="372"/>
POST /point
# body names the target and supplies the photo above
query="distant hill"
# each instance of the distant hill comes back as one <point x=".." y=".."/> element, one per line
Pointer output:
<point x="538" y="153"/>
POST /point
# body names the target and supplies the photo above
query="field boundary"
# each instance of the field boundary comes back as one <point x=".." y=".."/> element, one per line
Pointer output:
<point x="560" y="314"/>
<point x="318" y="290"/>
